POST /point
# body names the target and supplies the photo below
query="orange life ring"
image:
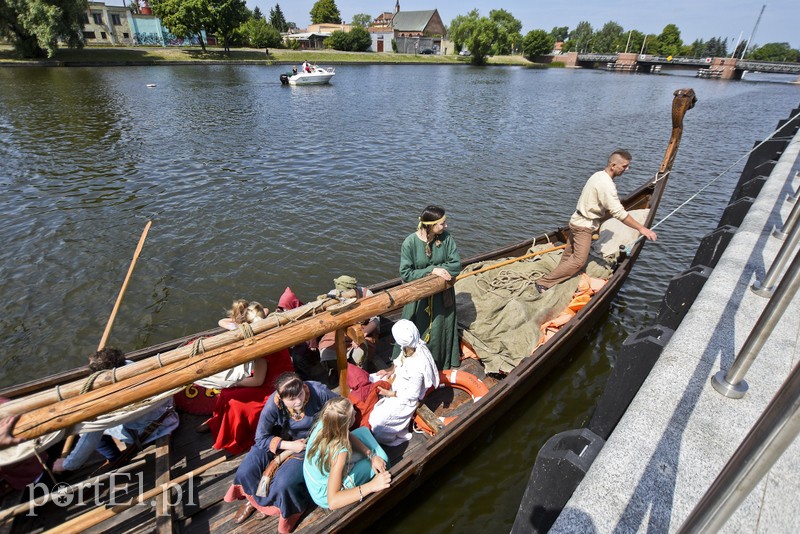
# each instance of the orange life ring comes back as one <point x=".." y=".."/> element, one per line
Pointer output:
<point x="460" y="380"/>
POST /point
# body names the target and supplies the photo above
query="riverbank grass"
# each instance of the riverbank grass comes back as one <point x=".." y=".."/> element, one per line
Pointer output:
<point x="151" y="55"/>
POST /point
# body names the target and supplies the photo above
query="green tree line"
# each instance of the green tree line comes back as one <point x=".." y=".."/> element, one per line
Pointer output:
<point x="36" y="27"/>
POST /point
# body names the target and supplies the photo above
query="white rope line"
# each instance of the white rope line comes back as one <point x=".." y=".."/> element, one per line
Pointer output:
<point x="709" y="184"/>
<point x="670" y="214"/>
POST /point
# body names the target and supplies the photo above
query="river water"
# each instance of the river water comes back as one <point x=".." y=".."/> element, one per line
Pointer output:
<point x="253" y="186"/>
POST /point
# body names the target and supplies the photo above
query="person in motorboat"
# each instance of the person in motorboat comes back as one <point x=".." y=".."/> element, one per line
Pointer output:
<point x="432" y="250"/>
<point x="306" y="66"/>
<point x="342" y="467"/>
<point x="598" y="200"/>
<point x="156" y="422"/>
<point x="270" y="478"/>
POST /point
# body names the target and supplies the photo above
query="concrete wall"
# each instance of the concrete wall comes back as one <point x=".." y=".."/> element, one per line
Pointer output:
<point x="111" y="28"/>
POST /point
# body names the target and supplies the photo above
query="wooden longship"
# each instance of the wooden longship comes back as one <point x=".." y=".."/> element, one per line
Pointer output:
<point x="202" y="475"/>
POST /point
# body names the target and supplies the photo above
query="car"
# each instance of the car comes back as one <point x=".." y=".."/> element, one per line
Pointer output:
<point x="426" y="51"/>
<point x="464" y="53"/>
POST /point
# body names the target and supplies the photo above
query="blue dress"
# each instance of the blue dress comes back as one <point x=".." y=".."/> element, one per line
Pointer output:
<point x="287" y="491"/>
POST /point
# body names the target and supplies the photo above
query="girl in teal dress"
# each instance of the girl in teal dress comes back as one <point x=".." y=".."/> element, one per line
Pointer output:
<point x="432" y="250"/>
<point x="342" y="467"/>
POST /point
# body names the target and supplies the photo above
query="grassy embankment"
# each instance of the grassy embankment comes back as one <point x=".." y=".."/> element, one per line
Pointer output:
<point x="148" y="55"/>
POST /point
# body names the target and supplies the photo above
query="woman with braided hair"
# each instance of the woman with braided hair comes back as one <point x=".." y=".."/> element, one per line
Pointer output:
<point x="432" y="250"/>
<point x="283" y="428"/>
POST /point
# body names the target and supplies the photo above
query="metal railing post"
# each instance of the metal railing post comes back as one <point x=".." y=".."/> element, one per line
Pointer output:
<point x="796" y="195"/>
<point x="731" y="383"/>
<point x="769" y="438"/>
<point x="767" y="287"/>
<point x="791" y="222"/>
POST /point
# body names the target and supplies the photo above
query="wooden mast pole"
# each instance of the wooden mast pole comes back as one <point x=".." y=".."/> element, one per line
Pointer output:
<point x="65" y="391"/>
<point x="104" y="400"/>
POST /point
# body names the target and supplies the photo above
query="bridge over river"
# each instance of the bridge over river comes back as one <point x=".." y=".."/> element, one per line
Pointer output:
<point x="712" y="67"/>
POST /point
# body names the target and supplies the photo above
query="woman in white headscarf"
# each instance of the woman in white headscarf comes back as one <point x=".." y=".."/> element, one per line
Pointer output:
<point x="414" y="372"/>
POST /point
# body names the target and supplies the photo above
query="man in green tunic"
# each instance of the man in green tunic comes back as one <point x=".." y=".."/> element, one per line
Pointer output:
<point x="432" y="250"/>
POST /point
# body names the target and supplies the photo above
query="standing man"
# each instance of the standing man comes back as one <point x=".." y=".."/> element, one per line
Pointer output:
<point x="598" y="199"/>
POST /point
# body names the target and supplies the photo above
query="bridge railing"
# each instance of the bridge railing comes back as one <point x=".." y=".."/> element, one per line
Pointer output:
<point x="599" y="58"/>
<point x="768" y="66"/>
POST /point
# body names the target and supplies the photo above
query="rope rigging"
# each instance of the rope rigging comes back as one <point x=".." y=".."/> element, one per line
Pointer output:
<point x="709" y="184"/>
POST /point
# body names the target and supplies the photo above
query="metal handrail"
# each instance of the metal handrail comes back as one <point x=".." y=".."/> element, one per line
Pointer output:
<point x="769" y="438"/>
<point x="791" y="222"/>
<point x="767" y="286"/>
<point x="731" y="383"/>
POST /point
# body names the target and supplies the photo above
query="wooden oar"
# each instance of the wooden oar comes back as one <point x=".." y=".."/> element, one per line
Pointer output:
<point x="100" y="514"/>
<point x="70" y="441"/>
<point x="26" y="507"/>
<point x="124" y="287"/>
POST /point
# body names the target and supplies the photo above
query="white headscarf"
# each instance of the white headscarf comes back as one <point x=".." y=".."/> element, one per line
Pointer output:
<point x="406" y="334"/>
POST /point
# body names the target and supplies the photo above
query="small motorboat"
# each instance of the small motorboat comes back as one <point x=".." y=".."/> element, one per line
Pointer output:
<point x="316" y="76"/>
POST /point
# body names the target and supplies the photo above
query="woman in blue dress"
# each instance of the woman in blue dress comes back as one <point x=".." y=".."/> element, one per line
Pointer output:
<point x="284" y="425"/>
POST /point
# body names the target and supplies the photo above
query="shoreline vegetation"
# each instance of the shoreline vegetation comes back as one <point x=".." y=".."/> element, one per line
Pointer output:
<point x="157" y="55"/>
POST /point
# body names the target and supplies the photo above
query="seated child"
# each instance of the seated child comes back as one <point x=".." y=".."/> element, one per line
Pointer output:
<point x="342" y="467"/>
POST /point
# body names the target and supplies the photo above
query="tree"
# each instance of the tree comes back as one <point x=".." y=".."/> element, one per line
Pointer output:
<point x="34" y="27"/>
<point x="325" y="11"/>
<point x="184" y="18"/>
<point x="257" y="14"/>
<point x="260" y="34"/>
<point x="650" y="44"/>
<point x="559" y="33"/>
<point x="669" y="41"/>
<point x="695" y="49"/>
<point x="609" y="38"/>
<point x="357" y="39"/>
<point x="277" y="20"/>
<point x="362" y="19"/>
<point x="509" y="37"/>
<point x="580" y="38"/>
<point x="634" y="41"/>
<point x="226" y="17"/>
<point x="360" y="39"/>
<point x="775" y="52"/>
<point x="482" y="35"/>
<point x="716" y="47"/>
<point x="537" y="43"/>
<point x="459" y="27"/>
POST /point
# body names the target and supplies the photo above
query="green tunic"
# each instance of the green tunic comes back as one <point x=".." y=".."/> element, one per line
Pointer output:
<point x="437" y="327"/>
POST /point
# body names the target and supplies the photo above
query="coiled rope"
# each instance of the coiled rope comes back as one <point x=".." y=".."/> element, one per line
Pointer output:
<point x="514" y="282"/>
